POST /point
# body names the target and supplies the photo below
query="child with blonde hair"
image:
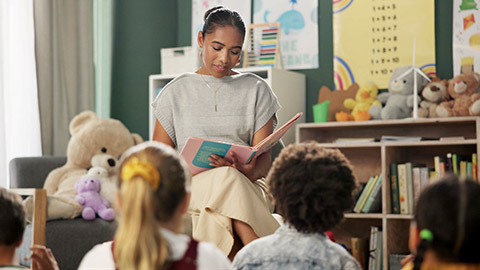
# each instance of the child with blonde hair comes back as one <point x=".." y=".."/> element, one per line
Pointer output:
<point x="154" y="184"/>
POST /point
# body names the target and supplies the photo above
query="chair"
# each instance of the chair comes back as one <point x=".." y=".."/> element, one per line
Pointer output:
<point x="69" y="240"/>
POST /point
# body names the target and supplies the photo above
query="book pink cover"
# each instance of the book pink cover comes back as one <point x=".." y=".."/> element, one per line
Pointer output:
<point x="196" y="151"/>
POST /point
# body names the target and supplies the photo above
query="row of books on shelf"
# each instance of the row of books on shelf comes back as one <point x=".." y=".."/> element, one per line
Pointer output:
<point x="408" y="179"/>
<point x="368" y="251"/>
<point x="370" y="199"/>
<point x="463" y="165"/>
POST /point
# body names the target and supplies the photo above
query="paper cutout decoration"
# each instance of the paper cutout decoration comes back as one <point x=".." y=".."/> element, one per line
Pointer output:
<point x="468" y="4"/>
<point x="336" y="98"/>
<point x="468" y="21"/>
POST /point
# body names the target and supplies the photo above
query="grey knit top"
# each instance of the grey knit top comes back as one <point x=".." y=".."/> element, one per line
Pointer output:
<point x="230" y="109"/>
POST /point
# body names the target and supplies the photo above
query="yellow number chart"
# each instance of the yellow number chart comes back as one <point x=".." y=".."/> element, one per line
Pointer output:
<point x="373" y="37"/>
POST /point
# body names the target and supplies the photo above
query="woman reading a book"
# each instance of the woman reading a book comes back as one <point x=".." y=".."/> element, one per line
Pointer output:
<point x="229" y="205"/>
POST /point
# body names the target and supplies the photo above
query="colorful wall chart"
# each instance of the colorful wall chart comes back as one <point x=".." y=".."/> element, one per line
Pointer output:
<point x="199" y="7"/>
<point x="373" y="37"/>
<point x="262" y="45"/>
<point x="466" y="35"/>
<point x="299" y="29"/>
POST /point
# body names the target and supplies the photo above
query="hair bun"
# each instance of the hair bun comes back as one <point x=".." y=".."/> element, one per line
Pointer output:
<point x="210" y="11"/>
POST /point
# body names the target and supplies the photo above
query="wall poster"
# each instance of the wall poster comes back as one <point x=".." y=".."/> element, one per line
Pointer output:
<point x="299" y="29"/>
<point x="466" y="36"/>
<point x="373" y="37"/>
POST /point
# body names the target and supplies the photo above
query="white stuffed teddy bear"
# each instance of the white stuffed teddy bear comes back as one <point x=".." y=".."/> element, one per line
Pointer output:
<point x="399" y="98"/>
<point x="104" y="168"/>
<point x="91" y="136"/>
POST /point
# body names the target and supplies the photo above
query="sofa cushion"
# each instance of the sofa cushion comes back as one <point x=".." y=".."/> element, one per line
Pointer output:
<point x="30" y="172"/>
<point x="67" y="250"/>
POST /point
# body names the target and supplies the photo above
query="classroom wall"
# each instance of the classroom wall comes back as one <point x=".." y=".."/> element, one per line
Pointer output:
<point x="141" y="28"/>
<point x="147" y="26"/>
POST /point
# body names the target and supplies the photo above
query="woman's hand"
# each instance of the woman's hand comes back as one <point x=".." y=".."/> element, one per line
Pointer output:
<point x="247" y="169"/>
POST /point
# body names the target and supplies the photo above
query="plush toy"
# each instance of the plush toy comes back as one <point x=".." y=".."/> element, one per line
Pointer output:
<point x="365" y="97"/>
<point x="91" y="136"/>
<point x="466" y="101"/>
<point x="104" y="168"/>
<point x="433" y="93"/>
<point x="399" y="98"/>
<point x="336" y="98"/>
<point x="93" y="203"/>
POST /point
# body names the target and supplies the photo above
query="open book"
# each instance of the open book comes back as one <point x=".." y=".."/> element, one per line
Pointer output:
<point x="196" y="151"/>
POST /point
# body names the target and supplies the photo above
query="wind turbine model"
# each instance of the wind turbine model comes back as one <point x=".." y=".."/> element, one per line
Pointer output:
<point x="415" y="89"/>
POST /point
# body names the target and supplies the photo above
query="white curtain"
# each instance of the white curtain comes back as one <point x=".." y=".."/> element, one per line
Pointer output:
<point x="64" y="53"/>
<point x="19" y="113"/>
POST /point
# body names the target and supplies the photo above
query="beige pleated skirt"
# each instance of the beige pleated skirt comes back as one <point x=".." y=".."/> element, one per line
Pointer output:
<point x="222" y="194"/>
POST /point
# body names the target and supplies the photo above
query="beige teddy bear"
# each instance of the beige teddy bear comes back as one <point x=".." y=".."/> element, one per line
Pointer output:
<point x="466" y="101"/>
<point x="92" y="139"/>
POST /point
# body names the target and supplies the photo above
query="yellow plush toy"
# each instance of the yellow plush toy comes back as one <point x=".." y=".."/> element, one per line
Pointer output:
<point x="365" y="97"/>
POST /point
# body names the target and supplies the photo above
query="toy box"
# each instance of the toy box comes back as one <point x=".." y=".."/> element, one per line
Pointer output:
<point x="179" y="59"/>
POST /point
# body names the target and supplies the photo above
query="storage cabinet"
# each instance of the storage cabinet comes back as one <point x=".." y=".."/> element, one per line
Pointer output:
<point x="441" y="136"/>
<point x="289" y="87"/>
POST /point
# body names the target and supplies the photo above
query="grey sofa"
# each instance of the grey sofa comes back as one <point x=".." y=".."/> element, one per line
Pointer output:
<point x="69" y="240"/>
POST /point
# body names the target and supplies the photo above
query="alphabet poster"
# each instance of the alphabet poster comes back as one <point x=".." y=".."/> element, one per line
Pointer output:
<point x="199" y="7"/>
<point x="373" y="37"/>
<point x="466" y="36"/>
<point x="299" y="29"/>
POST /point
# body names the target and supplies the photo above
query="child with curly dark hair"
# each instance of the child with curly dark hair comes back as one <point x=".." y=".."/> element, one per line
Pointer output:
<point x="312" y="187"/>
<point x="445" y="233"/>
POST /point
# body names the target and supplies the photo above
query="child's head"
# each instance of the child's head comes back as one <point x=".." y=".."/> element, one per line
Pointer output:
<point x="448" y="220"/>
<point x="153" y="183"/>
<point x="312" y="186"/>
<point x="221" y="41"/>
<point x="12" y="218"/>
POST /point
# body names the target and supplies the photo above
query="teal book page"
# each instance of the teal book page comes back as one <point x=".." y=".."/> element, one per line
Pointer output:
<point x="206" y="150"/>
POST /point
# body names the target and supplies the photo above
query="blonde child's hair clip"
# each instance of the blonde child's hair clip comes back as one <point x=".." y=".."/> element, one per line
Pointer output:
<point x="143" y="169"/>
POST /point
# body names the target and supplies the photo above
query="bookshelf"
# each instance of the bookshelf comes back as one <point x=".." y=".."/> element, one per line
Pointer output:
<point x="372" y="158"/>
<point x="289" y="87"/>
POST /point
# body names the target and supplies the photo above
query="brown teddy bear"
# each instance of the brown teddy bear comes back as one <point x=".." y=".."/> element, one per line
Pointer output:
<point x="91" y="137"/>
<point x="433" y="93"/>
<point x="466" y="101"/>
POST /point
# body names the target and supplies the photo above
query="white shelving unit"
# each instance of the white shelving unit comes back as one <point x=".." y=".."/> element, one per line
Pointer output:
<point x="289" y="87"/>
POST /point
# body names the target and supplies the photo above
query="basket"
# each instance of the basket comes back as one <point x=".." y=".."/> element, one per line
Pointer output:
<point x="179" y="59"/>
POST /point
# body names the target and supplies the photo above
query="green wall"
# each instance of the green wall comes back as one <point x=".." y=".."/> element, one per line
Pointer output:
<point x="137" y="55"/>
<point x="141" y="28"/>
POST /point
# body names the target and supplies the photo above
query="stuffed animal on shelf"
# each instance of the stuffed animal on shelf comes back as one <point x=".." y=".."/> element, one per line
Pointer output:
<point x="433" y="93"/>
<point x="91" y="136"/>
<point x="364" y="99"/>
<point x="466" y="101"/>
<point x="93" y="203"/>
<point x="336" y="98"/>
<point x="399" y="98"/>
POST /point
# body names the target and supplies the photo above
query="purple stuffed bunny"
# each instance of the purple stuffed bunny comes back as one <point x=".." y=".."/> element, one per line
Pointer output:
<point x="88" y="195"/>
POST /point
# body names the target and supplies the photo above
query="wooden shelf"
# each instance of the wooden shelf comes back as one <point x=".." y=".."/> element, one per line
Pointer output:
<point x="373" y="158"/>
<point x="363" y="216"/>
